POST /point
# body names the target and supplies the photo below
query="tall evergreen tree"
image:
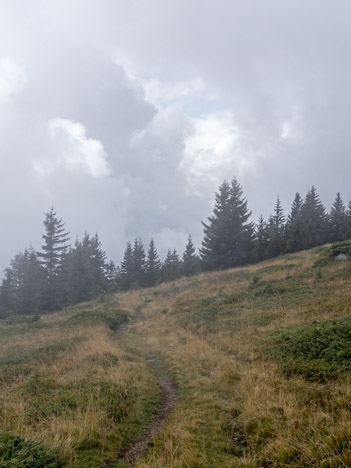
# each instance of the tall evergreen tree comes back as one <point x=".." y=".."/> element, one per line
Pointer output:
<point x="85" y="270"/>
<point x="261" y="240"/>
<point x="293" y="228"/>
<point x="314" y="220"/>
<point x="139" y="264"/>
<point x="153" y="265"/>
<point x="21" y="290"/>
<point x="338" y="220"/>
<point x="126" y="269"/>
<point x="228" y="238"/>
<point x="53" y="250"/>
<point x="190" y="259"/>
<point x="171" y="268"/>
<point x="276" y="230"/>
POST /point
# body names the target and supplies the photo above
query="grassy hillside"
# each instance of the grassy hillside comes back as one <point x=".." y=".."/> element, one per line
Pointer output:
<point x="260" y="356"/>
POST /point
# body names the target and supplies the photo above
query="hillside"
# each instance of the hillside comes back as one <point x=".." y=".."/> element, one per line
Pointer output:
<point x="259" y="358"/>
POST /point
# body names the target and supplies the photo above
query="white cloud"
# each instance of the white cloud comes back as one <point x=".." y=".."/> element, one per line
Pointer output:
<point x="12" y="78"/>
<point x="211" y="147"/>
<point x="162" y="93"/>
<point x="74" y="150"/>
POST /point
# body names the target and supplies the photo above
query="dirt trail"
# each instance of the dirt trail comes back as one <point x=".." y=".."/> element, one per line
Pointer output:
<point x="167" y="402"/>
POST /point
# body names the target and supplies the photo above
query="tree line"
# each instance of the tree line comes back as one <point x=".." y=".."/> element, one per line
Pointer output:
<point x="61" y="274"/>
<point x="231" y="239"/>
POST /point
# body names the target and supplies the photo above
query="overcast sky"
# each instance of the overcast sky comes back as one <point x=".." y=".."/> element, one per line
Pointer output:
<point x="127" y="115"/>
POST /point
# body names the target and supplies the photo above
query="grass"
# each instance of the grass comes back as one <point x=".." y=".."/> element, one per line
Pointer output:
<point x="69" y="387"/>
<point x="260" y="357"/>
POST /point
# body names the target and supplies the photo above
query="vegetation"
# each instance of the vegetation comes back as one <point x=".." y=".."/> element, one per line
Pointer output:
<point x="260" y="357"/>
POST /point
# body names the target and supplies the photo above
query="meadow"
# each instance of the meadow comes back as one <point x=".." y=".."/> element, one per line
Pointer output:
<point x="259" y="355"/>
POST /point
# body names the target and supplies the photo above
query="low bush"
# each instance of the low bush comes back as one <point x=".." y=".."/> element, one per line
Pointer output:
<point x="112" y="318"/>
<point x="317" y="351"/>
<point x="17" y="452"/>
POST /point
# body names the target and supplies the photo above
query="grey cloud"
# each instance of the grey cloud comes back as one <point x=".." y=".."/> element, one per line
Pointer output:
<point x="281" y="70"/>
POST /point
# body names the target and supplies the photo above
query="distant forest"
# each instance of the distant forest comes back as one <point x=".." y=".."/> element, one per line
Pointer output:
<point x="61" y="274"/>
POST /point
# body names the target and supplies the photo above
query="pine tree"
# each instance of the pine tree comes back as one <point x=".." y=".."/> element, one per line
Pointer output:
<point x="126" y="269"/>
<point x="293" y="228"/>
<point x="314" y="221"/>
<point x="261" y="240"/>
<point x="171" y="268"/>
<point x="111" y="277"/>
<point x="21" y="290"/>
<point x="190" y="259"/>
<point x="153" y="265"/>
<point x="338" y="220"/>
<point x="53" y="250"/>
<point x="98" y="262"/>
<point x="276" y="228"/>
<point x="79" y="280"/>
<point x="139" y="264"/>
<point x="228" y="238"/>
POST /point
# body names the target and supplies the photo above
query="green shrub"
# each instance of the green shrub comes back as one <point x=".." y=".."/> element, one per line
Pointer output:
<point x="317" y="351"/>
<point x="17" y="452"/>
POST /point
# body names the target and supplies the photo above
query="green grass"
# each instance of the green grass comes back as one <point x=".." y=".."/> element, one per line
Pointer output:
<point x="318" y="351"/>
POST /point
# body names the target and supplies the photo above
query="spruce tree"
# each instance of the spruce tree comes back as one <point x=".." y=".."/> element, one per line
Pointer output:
<point x="261" y="240"/>
<point x="22" y="286"/>
<point x="228" y="238"/>
<point x="338" y="220"/>
<point x="126" y="269"/>
<point x="138" y="264"/>
<point x="171" y="268"/>
<point x="53" y="251"/>
<point x="153" y="265"/>
<point x="314" y="221"/>
<point x="190" y="259"/>
<point x="293" y="228"/>
<point x="276" y="228"/>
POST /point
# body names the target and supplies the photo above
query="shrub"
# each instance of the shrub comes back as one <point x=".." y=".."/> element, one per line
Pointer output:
<point x="17" y="452"/>
<point x="317" y="351"/>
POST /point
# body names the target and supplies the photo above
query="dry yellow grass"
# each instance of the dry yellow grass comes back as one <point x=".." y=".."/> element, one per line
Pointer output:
<point x="235" y="407"/>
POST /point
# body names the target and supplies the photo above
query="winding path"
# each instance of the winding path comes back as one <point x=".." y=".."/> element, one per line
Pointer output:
<point x="167" y="402"/>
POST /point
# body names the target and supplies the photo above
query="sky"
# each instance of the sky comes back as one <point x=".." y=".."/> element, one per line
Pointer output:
<point x="126" y="116"/>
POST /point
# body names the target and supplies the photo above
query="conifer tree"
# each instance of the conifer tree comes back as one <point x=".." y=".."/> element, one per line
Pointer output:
<point x="111" y="276"/>
<point x="171" y="268"/>
<point x="314" y="220"/>
<point x="338" y="220"/>
<point x="153" y="265"/>
<point x="190" y="259"/>
<point x="261" y="240"/>
<point x="293" y="228"/>
<point x="53" y="251"/>
<point x="78" y="274"/>
<point x="276" y="227"/>
<point x="228" y="238"/>
<point x="139" y="264"/>
<point x="21" y="290"/>
<point x="126" y="269"/>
